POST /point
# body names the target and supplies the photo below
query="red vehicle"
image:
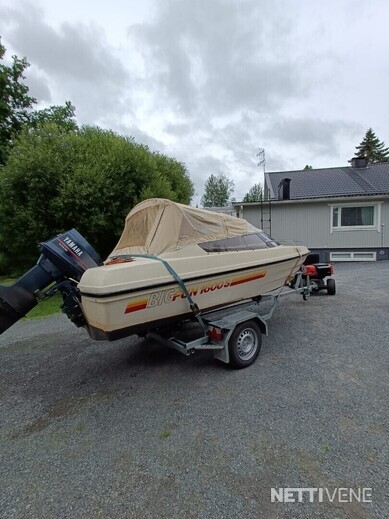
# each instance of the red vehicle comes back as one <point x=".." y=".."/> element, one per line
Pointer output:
<point x="320" y="276"/>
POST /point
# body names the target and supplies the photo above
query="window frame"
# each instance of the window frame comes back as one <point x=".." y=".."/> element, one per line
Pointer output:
<point x="341" y="228"/>
<point x="353" y="256"/>
<point x="222" y="245"/>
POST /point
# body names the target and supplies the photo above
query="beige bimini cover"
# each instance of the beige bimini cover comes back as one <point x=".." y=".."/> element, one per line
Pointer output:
<point x="158" y="225"/>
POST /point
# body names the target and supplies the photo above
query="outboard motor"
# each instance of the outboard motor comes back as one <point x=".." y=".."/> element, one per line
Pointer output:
<point x="63" y="261"/>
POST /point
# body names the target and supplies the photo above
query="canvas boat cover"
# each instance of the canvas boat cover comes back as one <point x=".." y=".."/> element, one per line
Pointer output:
<point x="158" y="225"/>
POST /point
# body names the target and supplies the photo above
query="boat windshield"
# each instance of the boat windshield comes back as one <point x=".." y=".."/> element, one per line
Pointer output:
<point x="258" y="240"/>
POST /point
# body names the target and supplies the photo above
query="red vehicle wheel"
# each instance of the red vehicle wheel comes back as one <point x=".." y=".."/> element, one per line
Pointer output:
<point x="331" y="287"/>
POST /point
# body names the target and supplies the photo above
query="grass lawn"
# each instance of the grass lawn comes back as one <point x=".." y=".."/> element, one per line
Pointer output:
<point x="44" y="308"/>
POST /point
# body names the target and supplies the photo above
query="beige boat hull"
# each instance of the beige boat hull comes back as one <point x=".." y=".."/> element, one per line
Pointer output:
<point x="136" y="297"/>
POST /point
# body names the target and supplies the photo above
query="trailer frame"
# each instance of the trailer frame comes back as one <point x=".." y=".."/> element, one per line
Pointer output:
<point x="219" y="327"/>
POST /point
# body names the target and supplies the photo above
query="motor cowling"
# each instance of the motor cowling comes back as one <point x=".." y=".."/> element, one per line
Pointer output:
<point x="63" y="261"/>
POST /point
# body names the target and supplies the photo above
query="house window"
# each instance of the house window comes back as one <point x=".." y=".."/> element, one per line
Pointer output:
<point x="354" y="217"/>
<point x="353" y="256"/>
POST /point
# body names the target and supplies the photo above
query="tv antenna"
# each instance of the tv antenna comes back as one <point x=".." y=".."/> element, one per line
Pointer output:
<point x="261" y="156"/>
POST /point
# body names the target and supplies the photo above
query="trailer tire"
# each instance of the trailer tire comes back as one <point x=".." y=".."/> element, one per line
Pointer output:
<point x="244" y="344"/>
<point x="331" y="287"/>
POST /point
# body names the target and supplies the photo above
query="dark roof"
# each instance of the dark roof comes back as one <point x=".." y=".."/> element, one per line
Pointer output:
<point x="332" y="182"/>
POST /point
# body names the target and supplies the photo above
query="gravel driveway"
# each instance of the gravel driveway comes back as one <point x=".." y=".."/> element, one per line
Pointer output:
<point x="131" y="429"/>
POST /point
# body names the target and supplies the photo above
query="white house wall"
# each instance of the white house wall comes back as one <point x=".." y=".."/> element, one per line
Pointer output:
<point x="310" y="223"/>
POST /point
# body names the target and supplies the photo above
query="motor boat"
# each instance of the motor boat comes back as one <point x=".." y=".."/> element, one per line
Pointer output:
<point x="171" y="263"/>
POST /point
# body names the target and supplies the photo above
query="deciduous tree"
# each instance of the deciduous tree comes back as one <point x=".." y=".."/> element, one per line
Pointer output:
<point x="218" y="189"/>
<point x="15" y="103"/>
<point x="61" y="115"/>
<point x="89" y="179"/>
<point x="254" y="194"/>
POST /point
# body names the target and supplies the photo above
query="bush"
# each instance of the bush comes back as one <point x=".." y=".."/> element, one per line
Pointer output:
<point x="88" y="178"/>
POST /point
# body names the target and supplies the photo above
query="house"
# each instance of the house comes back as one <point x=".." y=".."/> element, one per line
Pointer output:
<point x="340" y="213"/>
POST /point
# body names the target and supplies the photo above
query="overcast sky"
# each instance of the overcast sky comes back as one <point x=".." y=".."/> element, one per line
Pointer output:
<point x="210" y="81"/>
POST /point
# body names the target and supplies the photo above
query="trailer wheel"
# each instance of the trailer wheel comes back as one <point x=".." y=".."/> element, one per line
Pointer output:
<point x="244" y="344"/>
<point x="331" y="287"/>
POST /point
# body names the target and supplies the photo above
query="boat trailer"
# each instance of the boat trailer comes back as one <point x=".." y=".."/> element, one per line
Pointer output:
<point x="233" y="332"/>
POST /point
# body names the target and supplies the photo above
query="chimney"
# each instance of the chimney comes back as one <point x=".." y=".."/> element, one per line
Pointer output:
<point x="284" y="189"/>
<point x="358" y="162"/>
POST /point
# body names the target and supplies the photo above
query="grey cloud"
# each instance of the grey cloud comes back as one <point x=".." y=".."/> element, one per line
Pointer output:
<point x="322" y="137"/>
<point x="77" y="58"/>
<point x="219" y="78"/>
<point x="203" y="167"/>
<point x="198" y="126"/>
<point x="141" y="137"/>
<point x="241" y="135"/>
<point x="222" y="60"/>
<point x="38" y="85"/>
<point x="215" y="56"/>
<point x="73" y="51"/>
<point x="207" y="165"/>
<point x="278" y="162"/>
<point x="177" y="128"/>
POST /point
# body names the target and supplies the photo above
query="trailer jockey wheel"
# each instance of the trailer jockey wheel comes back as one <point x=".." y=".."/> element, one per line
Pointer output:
<point x="244" y="344"/>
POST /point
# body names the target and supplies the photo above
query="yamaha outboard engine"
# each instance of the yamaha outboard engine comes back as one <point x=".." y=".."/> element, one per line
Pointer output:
<point x="63" y="261"/>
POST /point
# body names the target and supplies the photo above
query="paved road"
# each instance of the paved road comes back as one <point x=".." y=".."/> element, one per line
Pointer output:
<point x="130" y="429"/>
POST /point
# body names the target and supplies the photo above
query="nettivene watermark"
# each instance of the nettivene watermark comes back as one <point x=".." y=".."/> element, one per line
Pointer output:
<point x="321" y="495"/>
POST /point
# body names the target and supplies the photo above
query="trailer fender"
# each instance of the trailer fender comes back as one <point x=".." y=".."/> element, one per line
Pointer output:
<point x="262" y="325"/>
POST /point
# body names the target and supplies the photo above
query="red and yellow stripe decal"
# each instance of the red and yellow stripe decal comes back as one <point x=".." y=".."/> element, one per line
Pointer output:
<point x="141" y="304"/>
<point x="246" y="278"/>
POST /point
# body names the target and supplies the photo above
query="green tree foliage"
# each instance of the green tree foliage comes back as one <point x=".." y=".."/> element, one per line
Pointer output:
<point x="254" y="194"/>
<point x="218" y="189"/>
<point x="308" y="166"/>
<point x="15" y="103"/>
<point x="63" y="116"/>
<point x="372" y="148"/>
<point x="88" y="179"/>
